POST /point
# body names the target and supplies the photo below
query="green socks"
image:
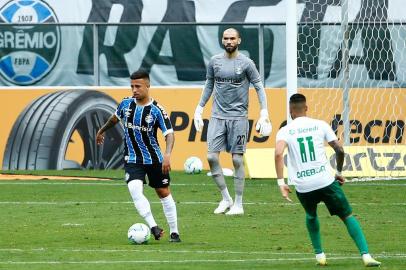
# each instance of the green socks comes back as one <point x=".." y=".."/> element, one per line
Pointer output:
<point x="313" y="227"/>
<point x="354" y="229"/>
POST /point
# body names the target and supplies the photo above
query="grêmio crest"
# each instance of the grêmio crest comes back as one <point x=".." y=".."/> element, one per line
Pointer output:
<point x="28" y="52"/>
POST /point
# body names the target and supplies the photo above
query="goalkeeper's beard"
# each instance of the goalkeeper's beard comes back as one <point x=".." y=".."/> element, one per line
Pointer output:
<point x="230" y="49"/>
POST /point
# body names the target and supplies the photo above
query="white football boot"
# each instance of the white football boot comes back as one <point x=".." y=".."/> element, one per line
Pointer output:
<point x="369" y="261"/>
<point x="223" y="206"/>
<point x="321" y="259"/>
<point x="235" y="210"/>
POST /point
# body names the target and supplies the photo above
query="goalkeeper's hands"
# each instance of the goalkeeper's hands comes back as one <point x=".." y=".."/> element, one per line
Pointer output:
<point x="197" y="119"/>
<point x="263" y="126"/>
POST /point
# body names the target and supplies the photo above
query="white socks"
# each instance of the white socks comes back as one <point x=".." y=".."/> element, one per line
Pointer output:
<point x="366" y="256"/>
<point x="141" y="202"/>
<point x="144" y="209"/>
<point x="320" y="256"/>
<point x="238" y="200"/>
<point x="226" y="195"/>
<point x="239" y="178"/>
<point x="169" y="207"/>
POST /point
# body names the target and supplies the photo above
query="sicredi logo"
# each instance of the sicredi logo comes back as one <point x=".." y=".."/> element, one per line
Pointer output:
<point x="28" y="53"/>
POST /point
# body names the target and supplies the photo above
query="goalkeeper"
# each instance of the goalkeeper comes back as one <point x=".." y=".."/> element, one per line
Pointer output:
<point x="228" y="78"/>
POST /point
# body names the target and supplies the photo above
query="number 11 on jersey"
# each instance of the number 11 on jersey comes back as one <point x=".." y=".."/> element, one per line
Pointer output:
<point x="310" y="146"/>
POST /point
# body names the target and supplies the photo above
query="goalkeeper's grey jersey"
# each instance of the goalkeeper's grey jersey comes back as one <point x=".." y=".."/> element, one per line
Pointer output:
<point x="231" y="78"/>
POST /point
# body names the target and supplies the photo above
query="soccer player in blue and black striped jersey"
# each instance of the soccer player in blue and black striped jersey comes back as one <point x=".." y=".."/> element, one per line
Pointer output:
<point x="141" y="117"/>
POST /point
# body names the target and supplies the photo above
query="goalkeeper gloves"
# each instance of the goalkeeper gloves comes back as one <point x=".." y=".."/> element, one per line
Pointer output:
<point x="264" y="126"/>
<point x="197" y="119"/>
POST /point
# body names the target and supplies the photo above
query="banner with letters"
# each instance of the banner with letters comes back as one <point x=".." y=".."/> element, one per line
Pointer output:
<point x="35" y="134"/>
<point x="360" y="161"/>
<point x="63" y="55"/>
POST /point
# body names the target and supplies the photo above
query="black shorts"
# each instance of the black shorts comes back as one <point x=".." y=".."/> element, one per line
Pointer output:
<point x="156" y="179"/>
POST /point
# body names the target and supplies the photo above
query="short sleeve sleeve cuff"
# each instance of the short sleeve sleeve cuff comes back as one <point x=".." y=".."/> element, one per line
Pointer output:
<point x="167" y="132"/>
<point x="330" y="135"/>
<point x="280" y="136"/>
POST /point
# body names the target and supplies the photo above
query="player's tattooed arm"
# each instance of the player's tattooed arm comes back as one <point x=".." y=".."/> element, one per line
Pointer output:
<point x="338" y="148"/>
<point x="113" y="120"/>
<point x="170" y="141"/>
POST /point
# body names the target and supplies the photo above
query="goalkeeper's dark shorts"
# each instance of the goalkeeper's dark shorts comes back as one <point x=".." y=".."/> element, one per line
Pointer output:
<point x="333" y="196"/>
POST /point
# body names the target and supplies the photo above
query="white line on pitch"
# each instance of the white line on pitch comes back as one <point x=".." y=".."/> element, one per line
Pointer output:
<point x="161" y="251"/>
<point x="191" y="261"/>
<point x="181" y="202"/>
<point x="382" y="254"/>
<point x="129" y="202"/>
<point x="121" y="183"/>
<point x="256" y="184"/>
<point x="220" y="252"/>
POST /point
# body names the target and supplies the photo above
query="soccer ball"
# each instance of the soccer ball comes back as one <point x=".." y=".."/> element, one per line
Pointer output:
<point x="193" y="165"/>
<point x="139" y="233"/>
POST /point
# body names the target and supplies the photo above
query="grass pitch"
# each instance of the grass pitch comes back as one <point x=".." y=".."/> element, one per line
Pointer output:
<point x="83" y="225"/>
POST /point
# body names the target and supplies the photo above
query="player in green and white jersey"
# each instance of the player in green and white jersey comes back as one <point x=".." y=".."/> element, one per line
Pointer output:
<point x="308" y="171"/>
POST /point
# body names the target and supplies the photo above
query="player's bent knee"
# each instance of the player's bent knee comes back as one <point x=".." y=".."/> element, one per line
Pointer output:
<point x="343" y="218"/>
<point x="135" y="187"/>
<point x="238" y="160"/>
<point x="213" y="159"/>
<point x="163" y="192"/>
<point x="135" y="184"/>
<point x="311" y="217"/>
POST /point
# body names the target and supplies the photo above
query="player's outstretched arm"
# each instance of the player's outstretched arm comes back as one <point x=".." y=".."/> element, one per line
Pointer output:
<point x="283" y="187"/>
<point x="113" y="120"/>
<point x="339" y="150"/>
<point x="170" y="141"/>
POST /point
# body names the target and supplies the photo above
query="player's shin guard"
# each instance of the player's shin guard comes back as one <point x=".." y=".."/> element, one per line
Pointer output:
<point x="141" y="202"/>
<point x="217" y="174"/>
<point x="355" y="231"/>
<point x="169" y="207"/>
<point x="313" y="227"/>
<point x="239" y="178"/>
